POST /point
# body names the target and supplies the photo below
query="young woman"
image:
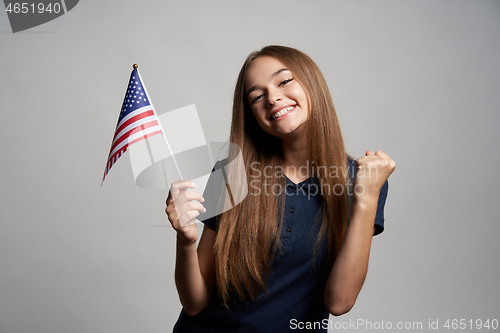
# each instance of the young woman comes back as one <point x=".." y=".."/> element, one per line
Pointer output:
<point x="297" y="247"/>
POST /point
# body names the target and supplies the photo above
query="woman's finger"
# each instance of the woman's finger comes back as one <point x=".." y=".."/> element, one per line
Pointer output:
<point x="190" y="206"/>
<point x="380" y="153"/>
<point x="188" y="218"/>
<point x="187" y="196"/>
<point x="180" y="186"/>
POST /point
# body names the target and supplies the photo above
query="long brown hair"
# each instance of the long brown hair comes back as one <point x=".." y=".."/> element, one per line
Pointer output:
<point x="249" y="234"/>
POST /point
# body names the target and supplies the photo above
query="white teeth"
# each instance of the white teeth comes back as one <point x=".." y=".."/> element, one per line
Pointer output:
<point x="283" y="111"/>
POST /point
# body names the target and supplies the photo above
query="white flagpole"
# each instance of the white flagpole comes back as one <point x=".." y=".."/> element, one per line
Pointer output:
<point x="154" y="111"/>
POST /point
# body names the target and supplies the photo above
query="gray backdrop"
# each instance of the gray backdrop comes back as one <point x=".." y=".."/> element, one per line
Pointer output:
<point x="417" y="79"/>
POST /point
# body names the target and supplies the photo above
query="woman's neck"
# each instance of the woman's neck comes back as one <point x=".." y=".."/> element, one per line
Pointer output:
<point x="296" y="158"/>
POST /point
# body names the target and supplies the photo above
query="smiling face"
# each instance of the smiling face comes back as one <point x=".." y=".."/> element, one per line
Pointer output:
<point x="278" y="101"/>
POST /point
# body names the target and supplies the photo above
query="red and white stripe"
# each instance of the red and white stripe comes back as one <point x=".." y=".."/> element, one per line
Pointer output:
<point x="136" y="126"/>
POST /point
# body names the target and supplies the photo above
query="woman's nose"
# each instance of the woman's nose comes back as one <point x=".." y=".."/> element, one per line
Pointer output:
<point x="273" y="97"/>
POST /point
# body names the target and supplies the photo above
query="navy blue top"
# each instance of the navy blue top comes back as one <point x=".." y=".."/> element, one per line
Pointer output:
<point x="295" y="284"/>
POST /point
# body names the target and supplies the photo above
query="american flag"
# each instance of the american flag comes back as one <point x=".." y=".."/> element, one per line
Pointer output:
<point x="137" y="121"/>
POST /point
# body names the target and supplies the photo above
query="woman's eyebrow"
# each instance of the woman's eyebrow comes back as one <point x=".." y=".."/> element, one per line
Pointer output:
<point x="271" y="77"/>
<point x="277" y="72"/>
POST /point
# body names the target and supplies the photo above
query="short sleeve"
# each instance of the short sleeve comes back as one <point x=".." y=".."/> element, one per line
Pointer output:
<point x="212" y="195"/>
<point x="379" y="218"/>
<point x="212" y="223"/>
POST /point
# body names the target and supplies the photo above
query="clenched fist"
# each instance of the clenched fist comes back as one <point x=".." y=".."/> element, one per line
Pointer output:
<point x="183" y="207"/>
<point x="373" y="171"/>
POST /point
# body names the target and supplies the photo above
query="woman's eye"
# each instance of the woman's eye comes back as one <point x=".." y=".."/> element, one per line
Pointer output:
<point x="285" y="82"/>
<point x="256" y="98"/>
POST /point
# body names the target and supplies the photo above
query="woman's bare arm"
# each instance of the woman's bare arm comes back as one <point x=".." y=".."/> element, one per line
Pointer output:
<point x="349" y="269"/>
<point x="194" y="272"/>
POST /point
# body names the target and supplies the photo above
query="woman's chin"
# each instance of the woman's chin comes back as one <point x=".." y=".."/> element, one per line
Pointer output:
<point x="290" y="131"/>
